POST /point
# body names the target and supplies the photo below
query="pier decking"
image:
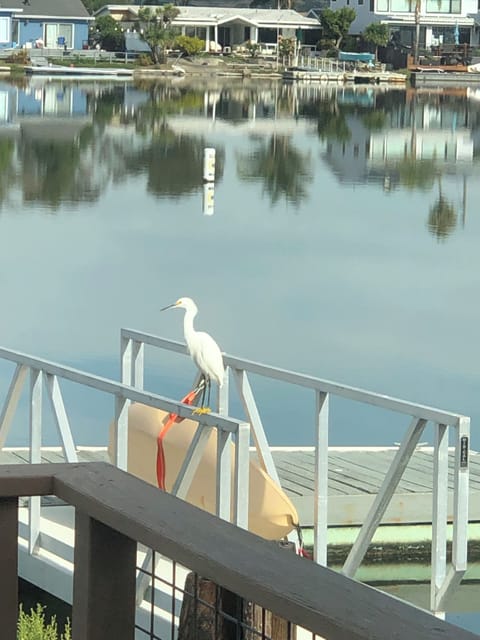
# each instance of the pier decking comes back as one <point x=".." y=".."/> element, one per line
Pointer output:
<point x="355" y="477"/>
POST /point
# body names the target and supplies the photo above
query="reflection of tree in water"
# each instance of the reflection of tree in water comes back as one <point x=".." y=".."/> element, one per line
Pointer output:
<point x="330" y="117"/>
<point x="53" y="172"/>
<point x="442" y="218"/>
<point x="7" y="148"/>
<point x="284" y="170"/>
<point x="417" y="174"/>
<point x="173" y="163"/>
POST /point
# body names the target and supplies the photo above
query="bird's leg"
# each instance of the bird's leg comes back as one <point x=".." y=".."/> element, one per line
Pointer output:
<point x="202" y="408"/>
<point x="203" y="386"/>
<point x="209" y="386"/>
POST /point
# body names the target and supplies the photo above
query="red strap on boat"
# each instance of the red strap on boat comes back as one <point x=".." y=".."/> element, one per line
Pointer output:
<point x="169" y="422"/>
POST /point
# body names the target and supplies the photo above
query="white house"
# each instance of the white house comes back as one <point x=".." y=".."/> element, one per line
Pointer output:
<point x="441" y="21"/>
<point x="226" y="27"/>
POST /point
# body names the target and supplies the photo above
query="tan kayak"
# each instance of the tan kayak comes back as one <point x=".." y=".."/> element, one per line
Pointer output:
<point x="271" y="513"/>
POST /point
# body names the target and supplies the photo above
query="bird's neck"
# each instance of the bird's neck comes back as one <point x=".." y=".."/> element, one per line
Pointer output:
<point x="188" y="329"/>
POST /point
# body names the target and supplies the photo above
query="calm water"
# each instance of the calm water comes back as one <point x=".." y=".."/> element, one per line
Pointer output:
<point x="343" y="239"/>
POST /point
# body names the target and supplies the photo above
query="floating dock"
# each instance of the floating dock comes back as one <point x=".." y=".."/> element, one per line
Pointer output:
<point x="355" y="478"/>
<point x="355" y="77"/>
<point x="440" y="78"/>
<point x="72" y="71"/>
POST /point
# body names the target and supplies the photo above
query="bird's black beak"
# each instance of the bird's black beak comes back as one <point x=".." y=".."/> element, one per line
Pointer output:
<point x="169" y="306"/>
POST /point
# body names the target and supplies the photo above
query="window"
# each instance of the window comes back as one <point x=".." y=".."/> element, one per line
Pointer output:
<point x="58" y="36"/>
<point x="443" y="6"/>
<point x="382" y="5"/>
<point x="360" y="1"/>
<point x="4" y="29"/>
<point x="402" y="6"/>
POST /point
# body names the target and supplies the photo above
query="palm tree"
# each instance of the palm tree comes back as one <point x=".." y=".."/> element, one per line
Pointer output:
<point x="283" y="169"/>
<point x="442" y="218"/>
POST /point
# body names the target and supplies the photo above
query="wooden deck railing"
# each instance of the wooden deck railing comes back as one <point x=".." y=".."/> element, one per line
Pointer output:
<point x="115" y="510"/>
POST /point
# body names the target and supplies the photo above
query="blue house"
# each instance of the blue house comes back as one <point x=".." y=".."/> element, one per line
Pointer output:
<point x="51" y="23"/>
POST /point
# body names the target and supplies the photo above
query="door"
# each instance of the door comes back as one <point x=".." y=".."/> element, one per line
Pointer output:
<point x="51" y="35"/>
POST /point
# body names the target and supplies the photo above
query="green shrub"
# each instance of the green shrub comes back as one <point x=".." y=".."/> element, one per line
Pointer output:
<point x="252" y="47"/>
<point x="145" y="60"/>
<point x="189" y="45"/>
<point x="33" y="626"/>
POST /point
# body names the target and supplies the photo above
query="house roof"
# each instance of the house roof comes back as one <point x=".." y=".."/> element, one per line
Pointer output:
<point x="49" y="8"/>
<point x="222" y="15"/>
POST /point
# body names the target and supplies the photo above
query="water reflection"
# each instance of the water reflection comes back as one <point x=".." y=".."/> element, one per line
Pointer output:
<point x="67" y="142"/>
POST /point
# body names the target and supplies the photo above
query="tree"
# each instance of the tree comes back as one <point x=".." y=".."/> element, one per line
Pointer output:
<point x="442" y="217"/>
<point x="190" y="46"/>
<point x="157" y="30"/>
<point x="377" y="34"/>
<point x="108" y="34"/>
<point x="284" y="170"/>
<point x="335" y="24"/>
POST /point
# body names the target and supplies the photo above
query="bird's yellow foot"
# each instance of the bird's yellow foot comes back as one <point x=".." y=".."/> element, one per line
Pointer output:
<point x="200" y="410"/>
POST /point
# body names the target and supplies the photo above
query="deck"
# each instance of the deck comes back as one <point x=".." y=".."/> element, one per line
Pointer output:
<point x="355" y="477"/>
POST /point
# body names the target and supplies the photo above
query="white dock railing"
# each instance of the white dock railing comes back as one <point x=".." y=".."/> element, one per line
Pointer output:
<point x="45" y="379"/>
<point x="445" y="577"/>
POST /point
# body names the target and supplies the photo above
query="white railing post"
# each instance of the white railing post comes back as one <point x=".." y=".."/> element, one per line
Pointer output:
<point x="224" y="475"/>
<point x="11" y="401"/>
<point x="35" y="420"/>
<point x="121" y="432"/>
<point x="320" y="505"/>
<point x="61" y="418"/>
<point x="125" y="360"/>
<point x="242" y="476"/>
<point x="439" y="513"/>
<point x="458" y="566"/>
<point x="138" y="364"/>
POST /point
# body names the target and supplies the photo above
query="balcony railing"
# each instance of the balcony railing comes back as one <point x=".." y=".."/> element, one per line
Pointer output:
<point x="115" y="511"/>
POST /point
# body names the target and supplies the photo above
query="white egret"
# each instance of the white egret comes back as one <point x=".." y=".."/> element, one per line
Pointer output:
<point x="204" y="350"/>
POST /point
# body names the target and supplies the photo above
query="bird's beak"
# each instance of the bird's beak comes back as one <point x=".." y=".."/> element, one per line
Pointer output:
<point x="169" y="306"/>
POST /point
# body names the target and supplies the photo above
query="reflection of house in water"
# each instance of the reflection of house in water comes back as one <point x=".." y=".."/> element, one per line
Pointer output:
<point x="412" y="132"/>
<point x="45" y="99"/>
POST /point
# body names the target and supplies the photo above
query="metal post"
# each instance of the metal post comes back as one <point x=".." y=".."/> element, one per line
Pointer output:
<point x="36" y="379"/>
<point x="242" y="475"/>
<point x="61" y="418"/>
<point x="11" y="401"/>
<point x="126" y="360"/>
<point x="138" y="365"/>
<point x="121" y="432"/>
<point x="224" y="475"/>
<point x="439" y="513"/>
<point x="103" y="582"/>
<point x="321" y="478"/>
<point x="460" y="514"/>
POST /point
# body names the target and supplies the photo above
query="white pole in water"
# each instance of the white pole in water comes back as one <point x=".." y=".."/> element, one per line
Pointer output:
<point x="208" y="198"/>
<point x="209" y="164"/>
<point x="208" y="181"/>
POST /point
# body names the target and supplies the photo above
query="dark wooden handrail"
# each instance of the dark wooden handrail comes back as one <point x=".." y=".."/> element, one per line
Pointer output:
<point x="115" y="510"/>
